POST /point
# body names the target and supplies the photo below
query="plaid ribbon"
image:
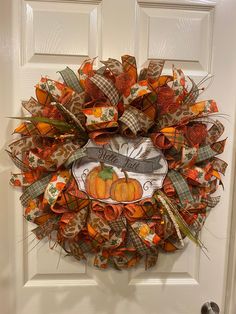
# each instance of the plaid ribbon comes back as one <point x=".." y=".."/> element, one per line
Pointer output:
<point x="69" y="202"/>
<point x="71" y="79"/>
<point x="138" y="243"/>
<point x="209" y="151"/>
<point x="136" y="120"/>
<point x="205" y="152"/>
<point x="79" y="153"/>
<point x="175" y="136"/>
<point x="106" y="87"/>
<point x="86" y="246"/>
<point x="150" y="105"/>
<point x="129" y="66"/>
<point x="101" y="70"/>
<point x="27" y="129"/>
<point x="34" y="129"/>
<point x="118" y="225"/>
<point x="181" y="187"/>
<point x="34" y="190"/>
<point x="213" y="201"/>
<point x="130" y="120"/>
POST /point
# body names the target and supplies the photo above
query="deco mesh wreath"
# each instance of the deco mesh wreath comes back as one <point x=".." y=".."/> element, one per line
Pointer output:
<point x="116" y="164"/>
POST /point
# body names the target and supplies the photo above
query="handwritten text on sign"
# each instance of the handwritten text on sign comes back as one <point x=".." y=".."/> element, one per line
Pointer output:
<point x="124" y="162"/>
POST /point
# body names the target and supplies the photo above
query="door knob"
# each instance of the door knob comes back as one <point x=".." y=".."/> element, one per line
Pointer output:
<point x="210" y="308"/>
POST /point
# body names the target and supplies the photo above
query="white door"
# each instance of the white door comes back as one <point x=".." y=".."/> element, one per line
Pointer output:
<point x="42" y="37"/>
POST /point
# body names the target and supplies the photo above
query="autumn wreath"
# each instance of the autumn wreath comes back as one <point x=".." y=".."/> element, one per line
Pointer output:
<point x="118" y="164"/>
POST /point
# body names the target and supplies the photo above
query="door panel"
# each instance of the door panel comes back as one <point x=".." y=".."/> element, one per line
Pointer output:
<point x="47" y="36"/>
<point x="177" y="33"/>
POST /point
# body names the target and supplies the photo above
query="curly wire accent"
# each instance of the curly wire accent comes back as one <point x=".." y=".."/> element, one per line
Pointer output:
<point x="148" y="184"/>
<point x="84" y="174"/>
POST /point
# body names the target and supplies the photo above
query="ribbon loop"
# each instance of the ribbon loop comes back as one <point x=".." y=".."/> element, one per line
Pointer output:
<point x="181" y="187"/>
<point x="106" y="87"/>
<point x="135" y="121"/>
<point x="71" y="79"/>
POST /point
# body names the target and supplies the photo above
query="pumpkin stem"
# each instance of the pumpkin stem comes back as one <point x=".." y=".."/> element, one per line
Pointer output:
<point x="102" y="165"/>
<point x="126" y="176"/>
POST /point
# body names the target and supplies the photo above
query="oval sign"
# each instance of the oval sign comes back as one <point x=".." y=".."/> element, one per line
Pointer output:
<point x="123" y="171"/>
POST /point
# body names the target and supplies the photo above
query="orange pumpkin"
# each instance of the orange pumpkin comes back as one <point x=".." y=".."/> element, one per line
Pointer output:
<point x="126" y="190"/>
<point x="99" y="180"/>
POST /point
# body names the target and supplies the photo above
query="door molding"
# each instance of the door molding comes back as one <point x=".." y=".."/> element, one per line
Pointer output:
<point x="230" y="296"/>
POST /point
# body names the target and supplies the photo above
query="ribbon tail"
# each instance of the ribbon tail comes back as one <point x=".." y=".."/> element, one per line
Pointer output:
<point x="178" y="221"/>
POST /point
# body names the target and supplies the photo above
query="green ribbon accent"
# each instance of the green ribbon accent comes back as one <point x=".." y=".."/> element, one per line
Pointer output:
<point x="209" y="151"/>
<point x="205" y="152"/>
<point x="212" y="201"/>
<point x="71" y="79"/>
<point x="181" y="187"/>
<point x="34" y="190"/>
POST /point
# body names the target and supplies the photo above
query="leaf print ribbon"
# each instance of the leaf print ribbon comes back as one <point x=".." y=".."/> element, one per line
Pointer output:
<point x="48" y="89"/>
<point x="139" y="89"/>
<point x="55" y="186"/>
<point x="184" y="114"/>
<point x="101" y="117"/>
<point x="76" y="224"/>
<point x="98" y="227"/>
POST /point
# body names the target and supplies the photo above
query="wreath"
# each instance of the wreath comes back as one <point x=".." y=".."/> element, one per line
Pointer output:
<point x="118" y="164"/>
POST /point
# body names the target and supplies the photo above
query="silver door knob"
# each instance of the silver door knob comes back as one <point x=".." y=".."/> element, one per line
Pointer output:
<point x="210" y="308"/>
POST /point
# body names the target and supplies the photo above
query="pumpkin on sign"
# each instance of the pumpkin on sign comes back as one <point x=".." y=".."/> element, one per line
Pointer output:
<point x="123" y="171"/>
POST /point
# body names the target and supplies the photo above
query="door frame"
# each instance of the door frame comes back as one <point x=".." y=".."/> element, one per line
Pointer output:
<point x="230" y="297"/>
<point x="7" y="290"/>
<point x="7" y="223"/>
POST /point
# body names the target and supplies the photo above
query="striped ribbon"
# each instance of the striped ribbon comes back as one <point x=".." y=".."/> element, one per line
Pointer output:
<point x="71" y="79"/>
<point x="181" y="187"/>
<point x="34" y="190"/>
